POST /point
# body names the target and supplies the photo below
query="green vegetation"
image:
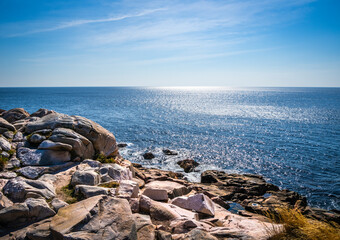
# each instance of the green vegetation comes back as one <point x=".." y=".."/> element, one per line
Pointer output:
<point x="103" y="159"/>
<point x="298" y="227"/>
<point x="3" y="161"/>
<point x="112" y="184"/>
<point x="68" y="195"/>
<point x="11" y="152"/>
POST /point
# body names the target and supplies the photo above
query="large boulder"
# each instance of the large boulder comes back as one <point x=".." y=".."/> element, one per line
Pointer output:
<point x="4" y="201"/>
<point x="103" y="141"/>
<point x="198" y="202"/>
<point x="87" y="191"/>
<point x="5" y="126"/>
<point x="18" y="189"/>
<point x="99" y="217"/>
<point x="38" y="157"/>
<point x="85" y="177"/>
<point x="28" y="211"/>
<point x="162" y="190"/>
<point x="128" y="189"/>
<point x="4" y="144"/>
<point x="115" y="172"/>
<point x="42" y="112"/>
<point x="145" y="228"/>
<point x="14" y="114"/>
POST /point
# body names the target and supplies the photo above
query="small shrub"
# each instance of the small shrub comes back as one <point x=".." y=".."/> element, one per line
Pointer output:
<point x="112" y="184"/>
<point x="297" y="226"/>
<point x="67" y="194"/>
<point x="103" y="159"/>
<point x="3" y="161"/>
<point x="11" y="152"/>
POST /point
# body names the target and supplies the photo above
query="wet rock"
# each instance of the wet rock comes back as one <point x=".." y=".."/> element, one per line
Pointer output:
<point x="198" y="202"/>
<point x="322" y="214"/>
<point x="18" y="189"/>
<point x="90" y="191"/>
<point x="188" y="165"/>
<point x="32" y="172"/>
<point x="85" y="177"/>
<point x="29" y="211"/>
<point x="8" y="134"/>
<point x="122" y="145"/>
<point x="57" y="204"/>
<point x="14" y="114"/>
<point x="128" y="189"/>
<point x="18" y="137"/>
<point x="169" y="152"/>
<point x="41" y="113"/>
<point x="99" y="217"/>
<point x="103" y="141"/>
<point x="57" y="146"/>
<point x="148" y="155"/>
<point x="4" y="144"/>
<point x="36" y="138"/>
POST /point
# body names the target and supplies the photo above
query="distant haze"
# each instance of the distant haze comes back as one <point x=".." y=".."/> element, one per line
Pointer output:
<point x="170" y="43"/>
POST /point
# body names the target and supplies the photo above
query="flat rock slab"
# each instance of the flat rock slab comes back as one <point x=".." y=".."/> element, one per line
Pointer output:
<point x="198" y="202"/>
<point x="173" y="189"/>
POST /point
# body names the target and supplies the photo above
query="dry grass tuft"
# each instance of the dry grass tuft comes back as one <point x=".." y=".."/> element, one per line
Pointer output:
<point x="112" y="184"/>
<point x="297" y="226"/>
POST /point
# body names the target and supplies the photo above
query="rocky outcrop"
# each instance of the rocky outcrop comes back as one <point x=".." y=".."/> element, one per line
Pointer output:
<point x="188" y="165"/>
<point x="14" y="115"/>
<point x="5" y="126"/>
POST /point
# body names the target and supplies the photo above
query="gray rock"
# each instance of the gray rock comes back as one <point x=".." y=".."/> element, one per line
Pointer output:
<point x="42" y="112"/>
<point x="4" y="144"/>
<point x="57" y="204"/>
<point x="5" y="126"/>
<point x="128" y="189"/>
<point x="85" y="177"/>
<point x="57" y="146"/>
<point x="92" y="163"/>
<point x="198" y="202"/>
<point x="99" y="217"/>
<point x="13" y="162"/>
<point x="7" y="175"/>
<point x="145" y="228"/>
<point x="34" y="157"/>
<point x="32" y="172"/>
<point x="4" y="201"/>
<point x="90" y="191"/>
<point x="18" y="189"/>
<point x="5" y="154"/>
<point x="103" y="141"/>
<point x="18" y="137"/>
<point x="36" y="138"/>
<point x="14" y="115"/>
<point x="28" y="211"/>
<point x="115" y="172"/>
<point x="8" y="134"/>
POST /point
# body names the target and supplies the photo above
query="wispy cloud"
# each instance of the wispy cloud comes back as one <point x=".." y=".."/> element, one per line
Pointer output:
<point x="75" y="23"/>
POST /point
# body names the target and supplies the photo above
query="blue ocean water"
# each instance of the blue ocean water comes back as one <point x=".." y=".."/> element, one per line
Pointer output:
<point x="291" y="136"/>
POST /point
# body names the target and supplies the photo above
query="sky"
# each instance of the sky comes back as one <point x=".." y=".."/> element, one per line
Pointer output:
<point x="236" y="43"/>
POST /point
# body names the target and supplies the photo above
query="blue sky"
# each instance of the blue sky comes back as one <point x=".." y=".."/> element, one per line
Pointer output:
<point x="170" y="43"/>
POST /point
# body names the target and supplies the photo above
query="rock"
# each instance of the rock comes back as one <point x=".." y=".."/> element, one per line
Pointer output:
<point x="148" y="155"/>
<point x="115" y="172"/>
<point x="99" y="217"/>
<point x="134" y="204"/>
<point x="8" y="134"/>
<point x="81" y="146"/>
<point x="4" y="144"/>
<point x="7" y="175"/>
<point x="14" y="114"/>
<point x="5" y="126"/>
<point x="18" y="137"/>
<point x="57" y="204"/>
<point x="85" y="177"/>
<point x="36" y="138"/>
<point x="4" y="201"/>
<point x="128" y="189"/>
<point x="92" y="163"/>
<point x="199" y="202"/>
<point x="160" y="211"/>
<point x="163" y="235"/>
<point x="41" y="113"/>
<point x="13" y="163"/>
<point x="322" y="214"/>
<point x="145" y="228"/>
<point x="102" y="140"/>
<point x="156" y="194"/>
<point x="90" y="191"/>
<point x="188" y="165"/>
<point x="122" y="145"/>
<point x="173" y="189"/>
<point x="36" y="157"/>
<point x="28" y="211"/>
<point x="169" y="152"/>
<point x="18" y="189"/>
<point x="57" y="146"/>
<point x="32" y="172"/>
<point x="198" y="234"/>
<point x="5" y="154"/>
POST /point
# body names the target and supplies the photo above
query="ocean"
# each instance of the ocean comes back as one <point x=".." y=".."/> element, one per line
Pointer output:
<point x="291" y="136"/>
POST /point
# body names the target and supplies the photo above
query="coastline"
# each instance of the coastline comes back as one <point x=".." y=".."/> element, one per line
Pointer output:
<point x="54" y="158"/>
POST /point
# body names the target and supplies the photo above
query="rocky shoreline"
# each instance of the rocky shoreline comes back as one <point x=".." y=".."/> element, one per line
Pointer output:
<point x="62" y="177"/>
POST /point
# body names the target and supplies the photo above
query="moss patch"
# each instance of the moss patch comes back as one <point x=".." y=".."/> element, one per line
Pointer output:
<point x="3" y="161"/>
<point x="67" y="194"/>
<point x="103" y="159"/>
<point x="112" y="184"/>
